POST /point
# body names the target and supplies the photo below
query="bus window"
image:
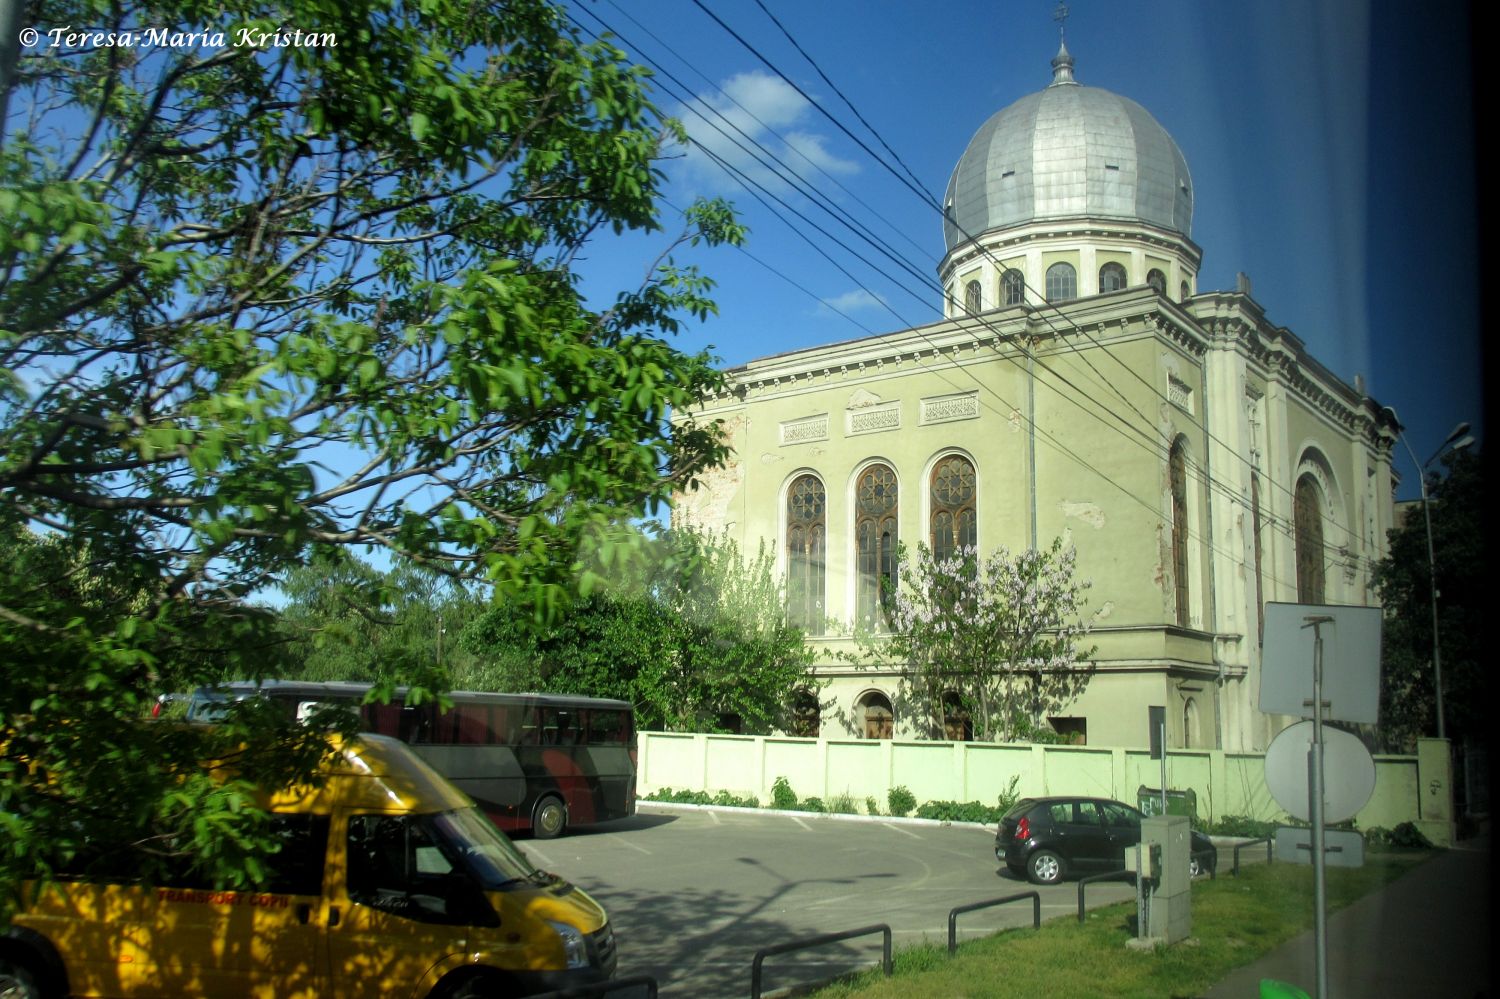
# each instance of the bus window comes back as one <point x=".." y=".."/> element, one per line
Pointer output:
<point x="606" y="727"/>
<point x="559" y="727"/>
<point x="382" y="719"/>
<point x="473" y="724"/>
<point x="531" y="734"/>
<point x="418" y="724"/>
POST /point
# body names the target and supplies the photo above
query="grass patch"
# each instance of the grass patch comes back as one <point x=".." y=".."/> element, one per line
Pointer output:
<point x="1235" y="921"/>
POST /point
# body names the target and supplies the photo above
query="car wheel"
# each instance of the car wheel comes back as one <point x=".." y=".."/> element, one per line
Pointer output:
<point x="17" y="981"/>
<point x="1045" y="868"/>
<point x="550" y="818"/>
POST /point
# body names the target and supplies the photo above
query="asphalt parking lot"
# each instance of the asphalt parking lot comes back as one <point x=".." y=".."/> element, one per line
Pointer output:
<point x="693" y="894"/>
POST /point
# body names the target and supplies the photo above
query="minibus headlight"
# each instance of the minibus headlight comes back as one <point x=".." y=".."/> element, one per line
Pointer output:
<point x="575" y="948"/>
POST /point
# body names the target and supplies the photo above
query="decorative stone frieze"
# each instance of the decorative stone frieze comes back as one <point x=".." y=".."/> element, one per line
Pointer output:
<point x="805" y="431"/>
<point x="950" y="408"/>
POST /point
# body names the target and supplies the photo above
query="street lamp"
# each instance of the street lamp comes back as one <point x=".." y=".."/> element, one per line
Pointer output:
<point x="1457" y="441"/>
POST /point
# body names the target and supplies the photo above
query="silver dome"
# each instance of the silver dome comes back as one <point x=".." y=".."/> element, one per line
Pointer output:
<point x="1069" y="150"/>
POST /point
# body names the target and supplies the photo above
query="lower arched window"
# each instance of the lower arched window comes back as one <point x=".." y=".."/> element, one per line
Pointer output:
<point x="806" y="714"/>
<point x="1177" y="466"/>
<point x="958" y="725"/>
<point x="876" y="717"/>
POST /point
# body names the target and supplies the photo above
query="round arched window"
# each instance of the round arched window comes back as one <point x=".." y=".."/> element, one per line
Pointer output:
<point x="1062" y="282"/>
<point x="1111" y="277"/>
<point x="1157" y="280"/>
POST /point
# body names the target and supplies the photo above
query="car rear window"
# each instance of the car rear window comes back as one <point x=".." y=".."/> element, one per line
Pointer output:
<point x="1019" y="808"/>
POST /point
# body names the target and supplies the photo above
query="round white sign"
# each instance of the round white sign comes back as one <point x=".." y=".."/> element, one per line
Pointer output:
<point x="1348" y="772"/>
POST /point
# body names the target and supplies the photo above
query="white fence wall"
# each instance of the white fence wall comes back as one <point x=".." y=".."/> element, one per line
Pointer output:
<point x="1225" y="783"/>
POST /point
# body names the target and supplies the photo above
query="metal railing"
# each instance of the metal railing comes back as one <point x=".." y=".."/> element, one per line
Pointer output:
<point x="1084" y="882"/>
<point x="1036" y="913"/>
<point x="1270" y="844"/>
<point x="820" y="941"/>
<point x="597" y="990"/>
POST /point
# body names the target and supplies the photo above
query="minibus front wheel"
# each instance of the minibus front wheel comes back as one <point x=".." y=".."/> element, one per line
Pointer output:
<point x="18" y="981"/>
<point x="550" y="818"/>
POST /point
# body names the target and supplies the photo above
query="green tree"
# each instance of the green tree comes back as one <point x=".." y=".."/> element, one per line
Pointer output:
<point x="1408" y="706"/>
<point x="1002" y="632"/>
<point x="697" y="635"/>
<point x="347" y="620"/>
<point x="260" y="303"/>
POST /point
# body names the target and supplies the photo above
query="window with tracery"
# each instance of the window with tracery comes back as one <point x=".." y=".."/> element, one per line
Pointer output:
<point x="1111" y="277"/>
<point x="875" y="513"/>
<point x="806" y="548"/>
<point x="971" y="297"/>
<point x="954" y="520"/>
<point x="1062" y="282"/>
<point x="1177" y="466"/>
<point x="1307" y="520"/>
<point x="1012" y="287"/>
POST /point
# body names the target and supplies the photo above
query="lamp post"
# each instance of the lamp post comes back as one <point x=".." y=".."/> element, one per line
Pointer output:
<point x="1457" y="441"/>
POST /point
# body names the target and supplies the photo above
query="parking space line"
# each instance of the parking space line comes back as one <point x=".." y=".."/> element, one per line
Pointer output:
<point x="804" y="825"/>
<point x="546" y="861"/>
<point x="634" y="846"/>
<point x="904" y="832"/>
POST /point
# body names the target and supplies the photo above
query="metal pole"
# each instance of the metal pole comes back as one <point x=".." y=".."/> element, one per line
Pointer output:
<point x="1163" y="763"/>
<point x="1315" y="809"/>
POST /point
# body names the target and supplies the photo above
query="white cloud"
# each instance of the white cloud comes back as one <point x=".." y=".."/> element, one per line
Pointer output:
<point x="731" y="123"/>
<point x="854" y="301"/>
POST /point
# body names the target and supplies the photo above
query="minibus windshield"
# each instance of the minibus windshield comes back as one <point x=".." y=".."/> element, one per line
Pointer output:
<point x="488" y="854"/>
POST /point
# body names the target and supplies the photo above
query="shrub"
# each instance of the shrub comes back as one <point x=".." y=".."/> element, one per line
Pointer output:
<point x="735" y="801"/>
<point x="901" y="800"/>
<point x="843" y="804"/>
<point x="959" y="811"/>
<point x="1404" y="835"/>
<point x="1239" y="825"/>
<point x="1010" y="795"/>
<point x="782" y="795"/>
<point x="812" y="804"/>
<point x="872" y="806"/>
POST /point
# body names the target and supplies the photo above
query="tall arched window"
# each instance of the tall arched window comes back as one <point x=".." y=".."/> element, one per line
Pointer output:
<point x="875" y="512"/>
<point x="1307" y="520"/>
<point x="1260" y="598"/>
<point x="874" y="710"/>
<point x="1187" y="292"/>
<point x="1177" y="467"/>
<point x="1157" y="280"/>
<point x="1012" y="287"/>
<point x="806" y="549"/>
<point x="954" y="522"/>
<point x="1062" y="282"/>
<point x="971" y="297"/>
<point x="1191" y="737"/>
<point x="1111" y="277"/>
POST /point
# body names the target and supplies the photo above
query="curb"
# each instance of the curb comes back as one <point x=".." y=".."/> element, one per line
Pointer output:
<point x="674" y="806"/>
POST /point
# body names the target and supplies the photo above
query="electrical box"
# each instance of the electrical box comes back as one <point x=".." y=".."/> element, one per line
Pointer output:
<point x="1164" y="886"/>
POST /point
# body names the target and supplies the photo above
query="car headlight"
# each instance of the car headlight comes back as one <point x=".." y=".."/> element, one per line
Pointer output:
<point x="575" y="948"/>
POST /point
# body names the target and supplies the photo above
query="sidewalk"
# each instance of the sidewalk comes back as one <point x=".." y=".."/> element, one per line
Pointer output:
<point x="1426" y="934"/>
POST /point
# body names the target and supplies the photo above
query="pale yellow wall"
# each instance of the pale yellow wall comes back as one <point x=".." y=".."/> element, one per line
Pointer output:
<point x="1224" y="783"/>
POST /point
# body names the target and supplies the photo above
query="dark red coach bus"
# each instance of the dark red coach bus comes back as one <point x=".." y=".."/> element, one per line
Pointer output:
<point x="542" y="762"/>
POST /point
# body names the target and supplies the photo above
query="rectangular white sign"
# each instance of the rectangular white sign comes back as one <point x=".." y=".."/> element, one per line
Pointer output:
<point x="1351" y="661"/>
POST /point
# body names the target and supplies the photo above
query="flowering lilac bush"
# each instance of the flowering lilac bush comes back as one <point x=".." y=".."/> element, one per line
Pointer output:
<point x="1004" y="632"/>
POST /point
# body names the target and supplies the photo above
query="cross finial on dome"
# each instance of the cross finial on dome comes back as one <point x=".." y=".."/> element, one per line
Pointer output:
<point x="1062" y="63"/>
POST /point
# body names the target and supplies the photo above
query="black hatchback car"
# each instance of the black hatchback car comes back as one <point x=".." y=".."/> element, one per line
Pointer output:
<point x="1047" y="839"/>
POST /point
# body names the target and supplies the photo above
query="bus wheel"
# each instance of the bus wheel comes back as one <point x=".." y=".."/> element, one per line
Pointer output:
<point x="550" y="818"/>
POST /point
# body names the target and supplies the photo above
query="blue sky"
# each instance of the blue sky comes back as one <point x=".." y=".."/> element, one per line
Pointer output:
<point x="1330" y="146"/>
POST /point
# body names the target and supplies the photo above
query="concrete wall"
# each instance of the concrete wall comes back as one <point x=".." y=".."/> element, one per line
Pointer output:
<point x="1226" y="783"/>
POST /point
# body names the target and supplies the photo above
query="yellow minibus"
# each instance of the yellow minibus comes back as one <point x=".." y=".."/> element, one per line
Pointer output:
<point x="389" y="883"/>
